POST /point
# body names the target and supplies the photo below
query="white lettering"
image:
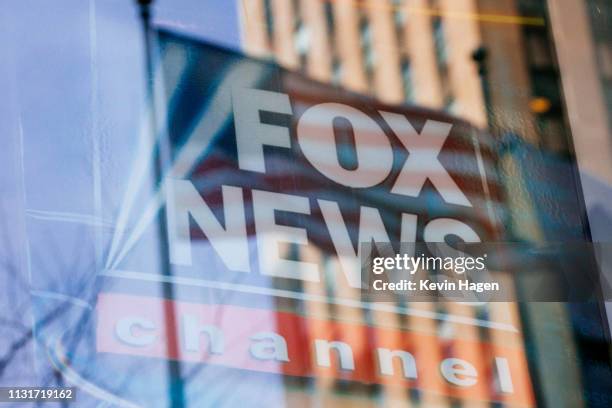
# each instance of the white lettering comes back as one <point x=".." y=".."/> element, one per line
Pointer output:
<point x="504" y="379"/>
<point x="385" y="362"/>
<point x="230" y="242"/>
<point x="191" y="335"/>
<point x="371" y="228"/>
<point x="251" y="134"/>
<point x="315" y="132"/>
<point x="345" y="354"/>
<point x="269" y="346"/>
<point x="124" y="331"/>
<point x="458" y="372"/>
<point x="423" y="163"/>
<point x="270" y="235"/>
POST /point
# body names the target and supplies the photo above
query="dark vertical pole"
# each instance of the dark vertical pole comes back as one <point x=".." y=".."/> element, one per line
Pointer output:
<point x="479" y="56"/>
<point x="176" y="387"/>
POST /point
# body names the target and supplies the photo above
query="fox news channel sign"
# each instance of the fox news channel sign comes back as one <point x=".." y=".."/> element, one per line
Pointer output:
<point x="266" y="163"/>
<point x="270" y="179"/>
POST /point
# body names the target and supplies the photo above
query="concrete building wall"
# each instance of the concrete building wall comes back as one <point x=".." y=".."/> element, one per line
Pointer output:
<point x="348" y="44"/>
<point x="366" y="51"/>
<point x="425" y="76"/>
<point x="283" y="35"/>
<point x="320" y="43"/>
<point x="387" y="83"/>
<point x="253" y="22"/>
<point x="462" y="36"/>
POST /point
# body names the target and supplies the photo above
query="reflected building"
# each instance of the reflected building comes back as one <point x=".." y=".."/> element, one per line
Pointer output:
<point x="420" y="52"/>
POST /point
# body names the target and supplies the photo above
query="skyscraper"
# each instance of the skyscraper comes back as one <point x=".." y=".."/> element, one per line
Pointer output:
<point x="420" y="52"/>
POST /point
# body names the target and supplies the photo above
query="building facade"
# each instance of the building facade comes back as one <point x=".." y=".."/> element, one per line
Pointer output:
<point x="419" y="52"/>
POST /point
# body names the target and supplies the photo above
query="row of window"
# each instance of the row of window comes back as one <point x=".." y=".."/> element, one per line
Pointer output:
<point x="302" y="41"/>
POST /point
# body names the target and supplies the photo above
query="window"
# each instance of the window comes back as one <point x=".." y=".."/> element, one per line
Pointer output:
<point x="538" y="49"/>
<point x="369" y="56"/>
<point x="407" y="80"/>
<point x="450" y="104"/>
<point x="336" y="65"/>
<point x="336" y="72"/>
<point x="329" y="15"/>
<point x="439" y="43"/>
<point x="364" y="32"/>
<point x="301" y="43"/>
<point x="442" y="58"/>
<point x="370" y="59"/>
<point x="301" y="39"/>
<point x="445" y="84"/>
<point x="297" y="13"/>
<point x="399" y="19"/>
<point x="269" y="18"/>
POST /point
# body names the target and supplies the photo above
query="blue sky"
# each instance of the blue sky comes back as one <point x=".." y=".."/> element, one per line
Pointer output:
<point x="75" y="68"/>
<point x="72" y="82"/>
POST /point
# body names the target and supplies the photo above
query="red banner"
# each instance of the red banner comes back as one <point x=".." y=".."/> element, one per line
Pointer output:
<point x="289" y="344"/>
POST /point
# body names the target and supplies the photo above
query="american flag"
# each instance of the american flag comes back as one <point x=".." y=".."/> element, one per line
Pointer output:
<point x="198" y="79"/>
